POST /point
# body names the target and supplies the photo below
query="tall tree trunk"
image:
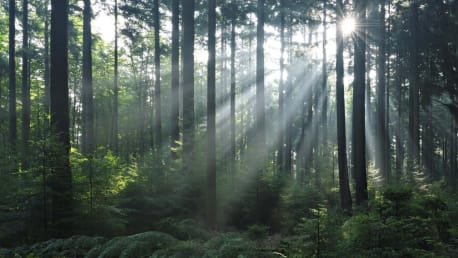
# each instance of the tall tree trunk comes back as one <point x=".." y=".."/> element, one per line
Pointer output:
<point x="211" y="116"/>
<point x="344" y="188"/>
<point x="12" y="75"/>
<point x="62" y="177"/>
<point x="289" y="97"/>
<point x="115" y="131"/>
<point x="413" y="88"/>
<point x="453" y="154"/>
<point x="358" y="127"/>
<point x="369" y="113"/>
<point x="175" y="100"/>
<point x="157" y="70"/>
<point x="281" y="90"/>
<point x="87" y="91"/>
<point x="260" y="99"/>
<point x="324" y="83"/>
<point x="47" y="100"/>
<point x="232" y="92"/>
<point x="399" y="139"/>
<point x="381" y="96"/>
<point x="388" y="137"/>
<point x="188" y="83"/>
<point x="87" y="98"/>
<point x="25" y="86"/>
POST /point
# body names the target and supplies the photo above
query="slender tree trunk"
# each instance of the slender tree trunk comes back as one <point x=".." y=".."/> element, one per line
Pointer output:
<point x="157" y="70"/>
<point x="62" y="177"/>
<point x="453" y="154"/>
<point x="289" y="97"/>
<point x="399" y="139"/>
<point x="175" y="100"/>
<point x="115" y="132"/>
<point x="324" y="83"/>
<point x="87" y="91"/>
<point x="381" y="96"/>
<point x="222" y="93"/>
<point x="12" y="75"/>
<point x="369" y="113"/>
<point x="47" y="99"/>
<point x="413" y="88"/>
<point x="188" y="83"/>
<point x="211" y="116"/>
<point x="260" y="99"/>
<point x="25" y="86"/>
<point x="388" y="137"/>
<point x="344" y="188"/>
<point x="358" y="128"/>
<point x="281" y="90"/>
<point x="232" y="93"/>
<point x="87" y="98"/>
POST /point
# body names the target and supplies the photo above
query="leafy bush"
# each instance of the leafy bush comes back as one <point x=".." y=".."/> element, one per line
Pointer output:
<point x="399" y="223"/>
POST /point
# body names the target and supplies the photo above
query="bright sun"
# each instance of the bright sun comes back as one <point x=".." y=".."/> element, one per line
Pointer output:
<point x="348" y="25"/>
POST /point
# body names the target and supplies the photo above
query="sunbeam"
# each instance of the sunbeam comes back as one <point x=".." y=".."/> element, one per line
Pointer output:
<point x="348" y="25"/>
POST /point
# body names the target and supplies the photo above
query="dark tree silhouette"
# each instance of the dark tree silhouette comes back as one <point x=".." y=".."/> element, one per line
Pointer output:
<point x="344" y="188"/>
<point x="211" y="116"/>
<point x="188" y="83"/>
<point x="61" y="186"/>
<point x="358" y="128"/>
<point x="25" y="85"/>
<point x="175" y="99"/>
<point x="12" y="75"/>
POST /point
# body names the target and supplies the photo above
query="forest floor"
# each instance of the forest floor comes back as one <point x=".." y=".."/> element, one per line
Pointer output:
<point x="195" y="243"/>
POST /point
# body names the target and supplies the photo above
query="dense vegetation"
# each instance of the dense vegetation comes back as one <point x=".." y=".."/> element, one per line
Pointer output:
<point x="228" y="128"/>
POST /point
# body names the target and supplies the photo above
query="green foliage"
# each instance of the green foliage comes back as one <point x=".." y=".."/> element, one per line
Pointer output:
<point x="228" y="245"/>
<point x="257" y="231"/>
<point x="399" y="223"/>
<point x="298" y="201"/>
<point x="315" y="235"/>
<point x="186" y="229"/>
<point x="76" y="246"/>
<point x="139" y="245"/>
<point x="183" y="249"/>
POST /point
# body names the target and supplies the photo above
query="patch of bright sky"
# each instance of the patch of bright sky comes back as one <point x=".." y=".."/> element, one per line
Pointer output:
<point x="103" y="24"/>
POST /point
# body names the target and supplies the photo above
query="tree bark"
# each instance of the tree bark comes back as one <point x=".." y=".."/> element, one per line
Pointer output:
<point x="281" y="89"/>
<point x="47" y="100"/>
<point x="188" y="83"/>
<point x="358" y="127"/>
<point x="324" y="83"/>
<point x="175" y="100"/>
<point x="115" y="131"/>
<point x="232" y="91"/>
<point x="211" y="116"/>
<point x="157" y="70"/>
<point x="25" y="85"/>
<point x="344" y="188"/>
<point x="12" y="75"/>
<point x="62" y="209"/>
<point x="260" y="99"/>
<point x="413" y="149"/>
<point x="381" y="95"/>
<point x="87" y="91"/>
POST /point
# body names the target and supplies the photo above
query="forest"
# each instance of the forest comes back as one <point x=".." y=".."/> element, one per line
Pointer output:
<point x="228" y="128"/>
